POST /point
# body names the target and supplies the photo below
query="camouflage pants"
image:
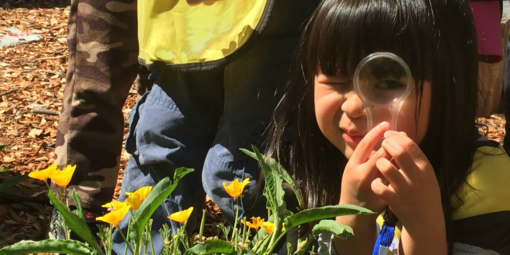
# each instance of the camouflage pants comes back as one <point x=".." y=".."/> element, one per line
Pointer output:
<point x="103" y="51"/>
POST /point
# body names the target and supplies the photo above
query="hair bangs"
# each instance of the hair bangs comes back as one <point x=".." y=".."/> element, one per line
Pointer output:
<point x="344" y="32"/>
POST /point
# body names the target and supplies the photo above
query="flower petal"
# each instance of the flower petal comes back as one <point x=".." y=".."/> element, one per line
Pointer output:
<point x="63" y="177"/>
<point x="144" y="192"/>
<point x="235" y="188"/>
<point x="114" y="205"/>
<point x="181" y="216"/>
<point x="268" y="227"/>
<point x="114" y="217"/>
<point x="133" y="200"/>
<point x="43" y="175"/>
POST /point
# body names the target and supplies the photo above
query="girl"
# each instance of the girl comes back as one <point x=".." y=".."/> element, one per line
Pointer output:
<point x="447" y="189"/>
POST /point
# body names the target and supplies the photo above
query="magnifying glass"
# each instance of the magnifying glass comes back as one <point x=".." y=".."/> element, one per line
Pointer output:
<point x="383" y="81"/>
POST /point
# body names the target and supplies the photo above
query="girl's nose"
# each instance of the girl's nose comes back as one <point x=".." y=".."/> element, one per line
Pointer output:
<point x="353" y="106"/>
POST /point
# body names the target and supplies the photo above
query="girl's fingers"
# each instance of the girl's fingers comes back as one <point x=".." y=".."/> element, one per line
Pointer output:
<point x="367" y="144"/>
<point x="404" y="152"/>
<point x="384" y="191"/>
<point x="413" y="150"/>
<point x="391" y="173"/>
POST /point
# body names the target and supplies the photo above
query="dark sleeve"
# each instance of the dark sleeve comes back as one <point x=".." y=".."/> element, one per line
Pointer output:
<point x="489" y="231"/>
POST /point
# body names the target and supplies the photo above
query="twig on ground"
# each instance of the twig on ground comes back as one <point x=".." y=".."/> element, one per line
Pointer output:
<point x="8" y="92"/>
<point x="44" y="111"/>
<point x="49" y="71"/>
<point x="48" y="58"/>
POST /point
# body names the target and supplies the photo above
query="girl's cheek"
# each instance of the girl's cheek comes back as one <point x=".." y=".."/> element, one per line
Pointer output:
<point x="406" y="119"/>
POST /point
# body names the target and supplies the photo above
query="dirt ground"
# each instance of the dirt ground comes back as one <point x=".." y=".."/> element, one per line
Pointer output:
<point x="32" y="79"/>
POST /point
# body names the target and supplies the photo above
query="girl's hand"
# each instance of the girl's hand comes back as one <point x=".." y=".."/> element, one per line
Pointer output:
<point x="358" y="175"/>
<point x="361" y="170"/>
<point x="413" y="190"/>
<point x="413" y="194"/>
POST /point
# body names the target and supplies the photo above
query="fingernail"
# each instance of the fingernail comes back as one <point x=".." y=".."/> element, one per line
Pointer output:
<point x="387" y="133"/>
<point x="384" y="124"/>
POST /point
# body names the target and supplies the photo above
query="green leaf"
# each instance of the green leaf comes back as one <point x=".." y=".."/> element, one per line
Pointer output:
<point x="3" y="146"/>
<point x="286" y="177"/>
<point x="5" y="170"/>
<point x="274" y="193"/>
<point x="77" y="203"/>
<point x="210" y="246"/>
<point x="47" y="246"/>
<point x="273" y="185"/>
<point x="155" y="198"/>
<point x="12" y="181"/>
<point x="180" y="172"/>
<point x="330" y="226"/>
<point x="75" y="223"/>
<point x="275" y="166"/>
<point x="324" y="212"/>
<point x="262" y="246"/>
<point x="246" y="252"/>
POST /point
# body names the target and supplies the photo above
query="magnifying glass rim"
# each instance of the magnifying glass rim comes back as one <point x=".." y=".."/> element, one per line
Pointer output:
<point x="391" y="56"/>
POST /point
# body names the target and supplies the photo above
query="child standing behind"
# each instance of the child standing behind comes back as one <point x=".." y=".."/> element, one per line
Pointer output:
<point x="448" y="188"/>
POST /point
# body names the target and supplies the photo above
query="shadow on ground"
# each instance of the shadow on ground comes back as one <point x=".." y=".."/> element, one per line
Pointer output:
<point x="29" y="4"/>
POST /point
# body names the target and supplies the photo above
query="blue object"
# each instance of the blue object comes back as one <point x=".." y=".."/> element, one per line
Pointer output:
<point x="385" y="238"/>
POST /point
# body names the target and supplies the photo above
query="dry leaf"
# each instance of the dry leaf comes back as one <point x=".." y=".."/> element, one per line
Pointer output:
<point x="35" y="132"/>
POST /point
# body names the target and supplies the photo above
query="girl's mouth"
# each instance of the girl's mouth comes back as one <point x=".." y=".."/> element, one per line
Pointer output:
<point x="352" y="139"/>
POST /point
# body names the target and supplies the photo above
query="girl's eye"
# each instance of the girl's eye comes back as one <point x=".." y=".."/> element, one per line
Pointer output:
<point x="386" y="91"/>
<point x="389" y="84"/>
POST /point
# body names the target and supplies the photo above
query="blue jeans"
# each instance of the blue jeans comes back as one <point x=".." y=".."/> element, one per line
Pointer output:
<point x="200" y="118"/>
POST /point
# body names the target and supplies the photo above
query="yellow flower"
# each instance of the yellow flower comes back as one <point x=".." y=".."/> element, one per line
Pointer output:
<point x="114" y="205"/>
<point x="144" y="192"/>
<point x="43" y="175"/>
<point x="114" y="217"/>
<point x="235" y="188"/>
<point x="136" y="198"/>
<point x="63" y="177"/>
<point x="255" y="223"/>
<point x="181" y="216"/>
<point x="268" y="227"/>
<point x="133" y="200"/>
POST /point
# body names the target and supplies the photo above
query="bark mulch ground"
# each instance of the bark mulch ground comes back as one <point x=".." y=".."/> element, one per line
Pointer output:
<point x="32" y="79"/>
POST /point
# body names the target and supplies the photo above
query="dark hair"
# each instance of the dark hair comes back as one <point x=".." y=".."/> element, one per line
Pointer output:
<point x="437" y="40"/>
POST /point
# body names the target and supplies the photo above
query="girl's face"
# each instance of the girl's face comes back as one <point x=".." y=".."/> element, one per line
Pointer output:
<point x="342" y="118"/>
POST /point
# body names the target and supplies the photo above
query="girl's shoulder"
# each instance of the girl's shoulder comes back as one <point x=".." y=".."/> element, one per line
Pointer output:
<point x="486" y="189"/>
<point x="482" y="205"/>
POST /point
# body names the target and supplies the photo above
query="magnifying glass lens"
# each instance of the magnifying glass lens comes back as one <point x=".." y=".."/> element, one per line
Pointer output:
<point x="383" y="81"/>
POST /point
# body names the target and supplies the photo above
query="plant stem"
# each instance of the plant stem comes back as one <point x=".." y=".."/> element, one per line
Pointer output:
<point x="125" y="240"/>
<point x="149" y="235"/>
<point x="234" y="234"/>
<point x="184" y="235"/>
<point x="278" y="239"/>
<point x="67" y="231"/>
<point x="109" y="245"/>
<point x="138" y="243"/>
<point x="176" y="243"/>
<point x="276" y="223"/>
<point x="244" y="232"/>
<point x="202" y="223"/>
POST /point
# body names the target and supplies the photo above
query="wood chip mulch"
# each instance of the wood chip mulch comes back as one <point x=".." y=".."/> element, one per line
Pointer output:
<point x="32" y="79"/>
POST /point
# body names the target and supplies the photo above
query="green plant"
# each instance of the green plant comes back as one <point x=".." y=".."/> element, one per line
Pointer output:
<point x="268" y="233"/>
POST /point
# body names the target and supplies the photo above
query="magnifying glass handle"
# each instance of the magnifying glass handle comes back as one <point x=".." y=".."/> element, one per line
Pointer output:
<point x="392" y="120"/>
